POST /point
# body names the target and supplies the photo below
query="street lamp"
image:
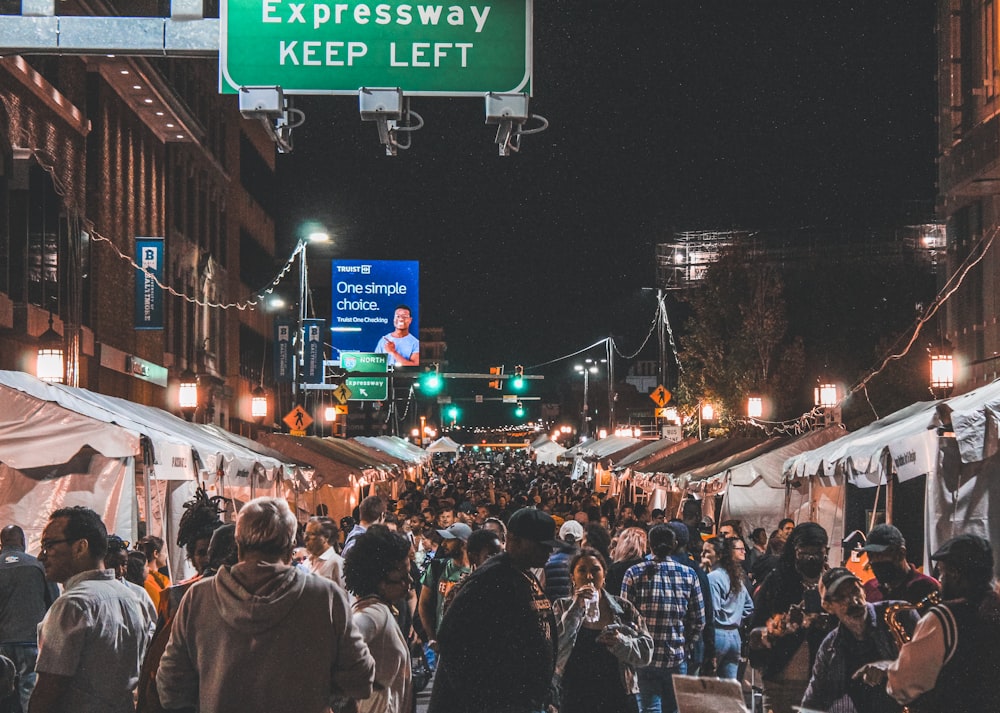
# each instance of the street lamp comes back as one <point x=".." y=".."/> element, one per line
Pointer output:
<point x="50" y="356"/>
<point x="587" y="368"/>
<point x="314" y="237"/>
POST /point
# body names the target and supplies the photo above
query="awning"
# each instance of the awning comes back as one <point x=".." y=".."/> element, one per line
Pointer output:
<point x="329" y="468"/>
<point x="651" y="452"/>
<point x="601" y="448"/>
<point x="672" y="471"/>
<point x="180" y="450"/>
<point x="396" y="447"/>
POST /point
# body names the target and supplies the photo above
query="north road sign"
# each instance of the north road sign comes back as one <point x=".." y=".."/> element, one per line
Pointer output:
<point x="423" y="48"/>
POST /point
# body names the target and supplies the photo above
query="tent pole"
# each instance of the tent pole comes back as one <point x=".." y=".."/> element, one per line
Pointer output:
<point x="890" y="490"/>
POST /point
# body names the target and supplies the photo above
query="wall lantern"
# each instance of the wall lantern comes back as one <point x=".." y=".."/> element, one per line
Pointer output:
<point x="50" y="366"/>
<point x="755" y="407"/>
<point x="187" y="393"/>
<point x="825" y="395"/>
<point x="258" y="404"/>
<point x="942" y="369"/>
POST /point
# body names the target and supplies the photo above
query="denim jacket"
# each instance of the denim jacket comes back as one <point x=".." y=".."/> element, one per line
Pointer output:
<point x="633" y="650"/>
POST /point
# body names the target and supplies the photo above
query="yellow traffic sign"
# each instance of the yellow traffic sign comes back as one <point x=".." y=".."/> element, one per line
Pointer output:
<point x="340" y="409"/>
<point x="342" y="393"/>
<point x="298" y="420"/>
<point x="660" y="396"/>
<point x="661" y="412"/>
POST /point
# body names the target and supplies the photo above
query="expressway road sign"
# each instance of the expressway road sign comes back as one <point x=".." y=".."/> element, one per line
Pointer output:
<point x="367" y="388"/>
<point x="425" y="49"/>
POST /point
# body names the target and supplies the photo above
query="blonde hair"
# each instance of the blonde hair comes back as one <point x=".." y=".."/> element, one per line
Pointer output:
<point x="630" y="544"/>
<point x="266" y="525"/>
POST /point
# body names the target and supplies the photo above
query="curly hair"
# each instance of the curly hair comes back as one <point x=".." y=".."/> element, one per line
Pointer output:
<point x="372" y="556"/>
<point x="724" y="553"/>
<point x="200" y="520"/>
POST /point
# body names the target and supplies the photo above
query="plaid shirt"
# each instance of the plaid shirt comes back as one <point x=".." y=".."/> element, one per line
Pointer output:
<point x="668" y="596"/>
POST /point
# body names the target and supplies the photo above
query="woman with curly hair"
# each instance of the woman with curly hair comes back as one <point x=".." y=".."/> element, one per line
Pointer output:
<point x="602" y="641"/>
<point x="630" y="546"/>
<point x="731" y="603"/>
<point x="377" y="571"/>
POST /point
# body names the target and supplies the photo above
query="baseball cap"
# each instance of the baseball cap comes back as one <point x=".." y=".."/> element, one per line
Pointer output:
<point x="535" y="525"/>
<point x="681" y="532"/>
<point x="884" y="537"/>
<point x="458" y="531"/>
<point x="966" y="551"/>
<point x="571" y="528"/>
<point x="831" y="580"/>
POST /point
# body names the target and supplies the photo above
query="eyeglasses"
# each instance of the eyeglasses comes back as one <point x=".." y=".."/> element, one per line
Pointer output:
<point x="49" y="544"/>
<point x="740" y="548"/>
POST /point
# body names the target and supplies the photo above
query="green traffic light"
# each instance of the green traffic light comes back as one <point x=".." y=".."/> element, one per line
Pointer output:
<point x="519" y="411"/>
<point x="517" y="383"/>
<point x="452" y="413"/>
<point x="431" y="383"/>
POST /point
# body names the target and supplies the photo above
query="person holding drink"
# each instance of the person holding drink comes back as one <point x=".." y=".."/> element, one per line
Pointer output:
<point x="602" y="640"/>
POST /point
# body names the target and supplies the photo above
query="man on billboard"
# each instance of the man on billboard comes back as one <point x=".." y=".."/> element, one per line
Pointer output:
<point x="402" y="348"/>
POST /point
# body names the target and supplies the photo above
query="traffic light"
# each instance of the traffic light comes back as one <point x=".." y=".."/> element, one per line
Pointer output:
<point x="496" y="371"/>
<point x="519" y="411"/>
<point x="431" y="382"/>
<point x="517" y="381"/>
<point x="452" y="413"/>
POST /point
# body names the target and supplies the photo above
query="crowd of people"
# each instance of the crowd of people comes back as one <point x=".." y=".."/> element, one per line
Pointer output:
<point x="522" y="589"/>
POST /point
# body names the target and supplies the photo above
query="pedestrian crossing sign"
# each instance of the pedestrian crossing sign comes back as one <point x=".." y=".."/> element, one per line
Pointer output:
<point x="660" y="396"/>
<point x="298" y="419"/>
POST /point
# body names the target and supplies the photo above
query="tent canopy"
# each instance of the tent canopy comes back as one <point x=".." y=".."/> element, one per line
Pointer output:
<point x="443" y="445"/>
<point x="701" y="453"/>
<point x="650" y="452"/>
<point x="595" y="450"/>
<point x="396" y="447"/>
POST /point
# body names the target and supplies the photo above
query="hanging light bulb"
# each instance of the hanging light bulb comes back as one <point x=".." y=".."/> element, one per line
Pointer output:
<point x="50" y="356"/>
<point x="258" y="404"/>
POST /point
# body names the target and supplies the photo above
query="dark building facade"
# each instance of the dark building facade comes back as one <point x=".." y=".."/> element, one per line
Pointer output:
<point x="98" y="151"/>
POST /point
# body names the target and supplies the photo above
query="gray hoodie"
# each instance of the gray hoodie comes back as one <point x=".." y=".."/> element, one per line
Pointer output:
<point x="264" y="637"/>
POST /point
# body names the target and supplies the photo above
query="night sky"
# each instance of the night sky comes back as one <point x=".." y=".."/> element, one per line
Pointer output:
<point x="665" y="115"/>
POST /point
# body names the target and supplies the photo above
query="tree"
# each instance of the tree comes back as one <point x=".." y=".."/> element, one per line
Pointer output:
<point x="737" y="341"/>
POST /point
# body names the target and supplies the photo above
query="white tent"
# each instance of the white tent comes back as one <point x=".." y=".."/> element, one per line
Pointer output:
<point x="545" y="450"/>
<point x="62" y="446"/>
<point x="443" y="445"/>
<point x="953" y="442"/>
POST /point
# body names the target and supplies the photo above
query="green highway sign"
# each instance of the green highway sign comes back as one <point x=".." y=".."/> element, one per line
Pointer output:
<point x="330" y="47"/>
<point x="367" y="388"/>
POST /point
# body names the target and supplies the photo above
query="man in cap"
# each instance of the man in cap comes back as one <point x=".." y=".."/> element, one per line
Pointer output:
<point x="788" y="622"/>
<point x="445" y="571"/>
<point x="701" y="653"/>
<point x="498" y="638"/>
<point x="895" y="577"/>
<point x="862" y="636"/>
<point x="557" y="581"/>
<point x="951" y="664"/>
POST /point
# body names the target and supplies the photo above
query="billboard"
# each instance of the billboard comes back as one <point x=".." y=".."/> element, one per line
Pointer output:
<point x="375" y="308"/>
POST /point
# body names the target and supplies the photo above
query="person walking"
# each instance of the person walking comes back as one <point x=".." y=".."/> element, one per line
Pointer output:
<point x="25" y="596"/>
<point x="261" y="621"/>
<point x="669" y="598"/>
<point x="497" y="640"/>
<point x="93" y="638"/>
<point x="731" y="604"/>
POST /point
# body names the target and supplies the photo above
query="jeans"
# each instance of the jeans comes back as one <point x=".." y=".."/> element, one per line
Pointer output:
<point x="656" y="689"/>
<point x="23" y="656"/>
<point x="727" y="652"/>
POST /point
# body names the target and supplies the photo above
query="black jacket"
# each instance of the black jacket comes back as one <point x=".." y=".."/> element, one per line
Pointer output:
<point x="497" y="644"/>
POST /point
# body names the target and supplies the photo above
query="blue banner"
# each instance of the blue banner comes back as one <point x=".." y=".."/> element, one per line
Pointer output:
<point x="312" y="370"/>
<point x="284" y="353"/>
<point x="375" y="308"/>
<point x="148" y="295"/>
